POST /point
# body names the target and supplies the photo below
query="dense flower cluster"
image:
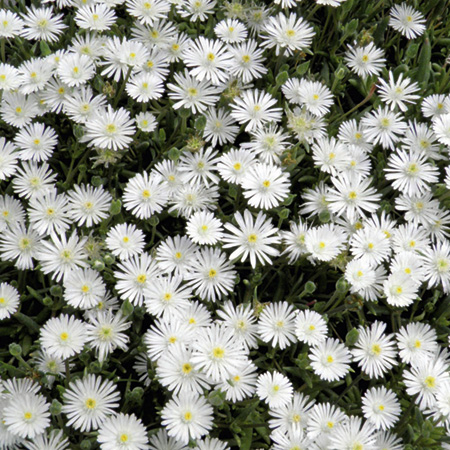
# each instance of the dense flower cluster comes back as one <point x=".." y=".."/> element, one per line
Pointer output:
<point x="221" y="229"/>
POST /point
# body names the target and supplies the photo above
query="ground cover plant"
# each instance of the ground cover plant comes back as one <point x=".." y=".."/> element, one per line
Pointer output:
<point x="224" y="225"/>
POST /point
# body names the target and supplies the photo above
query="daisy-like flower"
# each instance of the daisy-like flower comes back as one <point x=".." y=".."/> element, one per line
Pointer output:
<point x="410" y="172"/>
<point x="191" y="93"/>
<point x="425" y="378"/>
<point x="231" y="31"/>
<point x="11" y="212"/>
<point x="234" y="165"/>
<point x="200" y="166"/>
<point x="218" y="352"/>
<point x="176" y="254"/>
<point x="330" y="360"/>
<point x="381" y="407"/>
<point x="208" y="59"/>
<point x="294" y="240"/>
<point x="8" y="159"/>
<point x="353" y="133"/>
<point x="42" y="24"/>
<point x="310" y="327"/>
<point x="55" y="440"/>
<point x="89" y="401"/>
<point x="95" y="17"/>
<point x="145" y="87"/>
<point x="210" y="274"/>
<point x="316" y="97"/>
<point x="352" y="196"/>
<point x="17" y="109"/>
<point x="306" y="126"/>
<point x="190" y="198"/>
<point x="11" y="25"/>
<point x="148" y="11"/>
<point x="146" y="122"/>
<point x="441" y="127"/>
<point x="265" y="186"/>
<point x="81" y="104"/>
<point x="110" y="129"/>
<point x="21" y="245"/>
<point x="241" y="384"/>
<point x="166" y="295"/>
<point x="353" y="434"/>
<point x="371" y="244"/>
<point x="416" y="341"/>
<point x="187" y="416"/>
<point x="36" y="142"/>
<point x="123" y="430"/>
<point x="384" y="127"/>
<point x="26" y="415"/>
<point x="325" y="242"/>
<point x="106" y="332"/>
<point x="366" y="60"/>
<point x="436" y="264"/>
<point x="365" y="280"/>
<point x="83" y="288"/>
<point x="287" y="33"/>
<point x="241" y="320"/>
<point x="89" y="205"/>
<point x="375" y="351"/>
<point x="255" y="108"/>
<point x="9" y="300"/>
<point x="177" y="373"/>
<point x="400" y="289"/>
<point x="161" y="440"/>
<point x="253" y="238"/>
<point x="397" y="93"/>
<point x="48" y="213"/>
<point x="34" y="74"/>
<point x="144" y="195"/>
<point x="32" y="179"/>
<point x="435" y="105"/>
<point x="276" y="324"/>
<point x="274" y="388"/>
<point x="292" y="416"/>
<point x="76" y="69"/>
<point x="61" y="255"/>
<point x="408" y="21"/>
<point x="125" y="240"/>
<point x="323" y="418"/>
<point x="330" y="155"/>
<point x="196" y="9"/>
<point x="247" y="62"/>
<point x="220" y="127"/>
<point x="203" y="228"/>
<point x="63" y="336"/>
<point x="134" y="276"/>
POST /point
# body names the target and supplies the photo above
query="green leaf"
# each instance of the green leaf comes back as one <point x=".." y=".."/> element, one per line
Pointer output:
<point x="352" y="337"/>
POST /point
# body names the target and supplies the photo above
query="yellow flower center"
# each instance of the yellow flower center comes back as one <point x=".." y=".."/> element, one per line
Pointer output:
<point x="385" y="122"/>
<point x="330" y="359"/>
<point x="290" y="33"/>
<point x="430" y="382"/>
<point x="417" y="344"/>
<point x="64" y="336"/>
<point x="111" y="128"/>
<point x="296" y="418"/>
<point x="330" y="424"/>
<point x="352" y="195"/>
<point x="90" y="403"/>
<point x="167" y="296"/>
<point x="365" y="58"/>
<point x="218" y="352"/>
<point x="237" y="166"/>
<point x="126" y="239"/>
<point x="252" y="238"/>
<point x="141" y="278"/>
<point x="266" y="183"/>
<point x="246" y="58"/>
<point x="212" y="273"/>
<point x="146" y="193"/>
<point x="85" y="289"/>
<point x="2" y="300"/>
<point x="27" y="415"/>
<point x="123" y="437"/>
<point x="24" y="243"/>
<point x="178" y="255"/>
<point x="192" y="91"/>
<point x="187" y="368"/>
<point x="76" y="70"/>
<point x="211" y="57"/>
<point x="376" y="349"/>
<point x="172" y="340"/>
<point x="188" y="416"/>
<point x="311" y="328"/>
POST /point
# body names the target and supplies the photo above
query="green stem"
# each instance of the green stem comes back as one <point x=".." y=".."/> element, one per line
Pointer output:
<point x="122" y="87"/>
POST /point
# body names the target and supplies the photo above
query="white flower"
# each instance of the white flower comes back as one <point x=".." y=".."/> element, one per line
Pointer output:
<point x="330" y="359"/>
<point x="381" y="407"/>
<point x="123" y="431"/>
<point x="187" y="416"/>
<point x="400" y="289"/>
<point x="203" y="228"/>
<point x="210" y="274"/>
<point x="241" y="383"/>
<point x="416" y="341"/>
<point x="274" y="388"/>
<point x="96" y="17"/>
<point x="110" y="129"/>
<point x="36" y="142"/>
<point x="366" y="60"/>
<point x="287" y="33"/>
<point x="375" y="351"/>
<point x="63" y="336"/>
<point x="75" y="69"/>
<point x="175" y="254"/>
<point x="436" y="264"/>
<point x="254" y="239"/>
<point x="83" y="288"/>
<point x="218" y="352"/>
<point x="353" y="434"/>
<point x="255" y="108"/>
<point x="220" y="127"/>
<point x="60" y="256"/>
<point x="325" y="242"/>
<point x="234" y="165"/>
<point x="408" y="21"/>
<point x="265" y="186"/>
<point x="144" y="195"/>
<point x="399" y="92"/>
<point x="105" y="332"/>
<point x="316" y="97"/>
<point x="148" y="11"/>
<point x="134" y="276"/>
<point x="9" y="300"/>
<point x="247" y="61"/>
<point x="231" y="31"/>
<point x="26" y="415"/>
<point x="276" y="324"/>
<point x="310" y="327"/>
<point x="125" y="240"/>
<point x="87" y="402"/>
<point x="322" y="419"/>
<point x="42" y="24"/>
